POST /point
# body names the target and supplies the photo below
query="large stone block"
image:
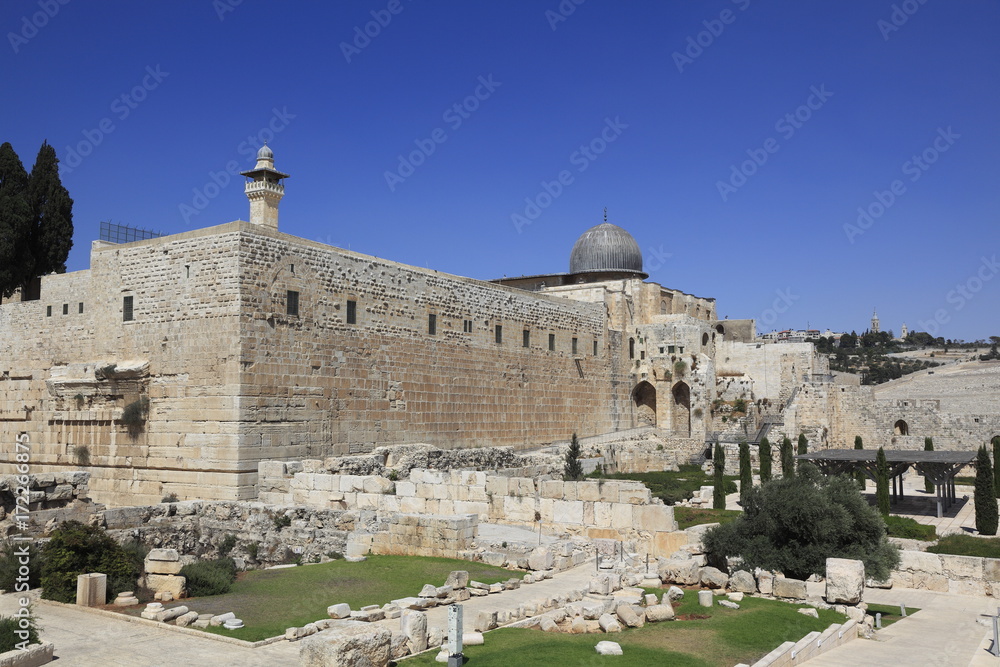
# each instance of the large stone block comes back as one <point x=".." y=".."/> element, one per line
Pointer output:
<point x="991" y="569"/>
<point x="589" y="491"/>
<point x="566" y="511"/>
<point x="680" y="571"/>
<point x="794" y="589"/>
<point x="653" y="518"/>
<point x="163" y="555"/>
<point x="541" y="558"/>
<point x="166" y="583"/>
<point x="962" y="567"/>
<point x="920" y="561"/>
<point x="712" y="577"/>
<point x="414" y="626"/>
<point x="355" y="643"/>
<point x="845" y="580"/>
<point x="162" y="566"/>
<point x="742" y="581"/>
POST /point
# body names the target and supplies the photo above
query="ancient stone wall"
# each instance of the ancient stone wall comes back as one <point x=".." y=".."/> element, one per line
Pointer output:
<point x="600" y="509"/>
<point x="389" y="377"/>
<point x="962" y="575"/>
<point x="232" y="378"/>
<point x="775" y="369"/>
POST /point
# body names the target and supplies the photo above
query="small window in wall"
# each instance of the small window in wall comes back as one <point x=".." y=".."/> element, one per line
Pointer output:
<point x="671" y="349"/>
<point x="663" y="308"/>
<point x="595" y="348"/>
<point x="432" y="324"/>
<point x="680" y="350"/>
<point x="65" y="309"/>
<point x="187" y="270"/>
<point x="127" y="309"/>
<point x="704" y="339"/>
<point x="574" y="345"/>
<point x="526" y="338"/>
<point x="81" y="307"/>
<point x="498" y="334"/>
<point x="631" y="348"/>
<point x="292" y="304"/>
<point x="352" y="312"/>
<point x="48" y="311"/>
<point x="642" y="354"/>
<point x="552" y="342"/>
<point x="467" y="326"/>
<point x="291" y="268"/>
<point x="661" y="349"/>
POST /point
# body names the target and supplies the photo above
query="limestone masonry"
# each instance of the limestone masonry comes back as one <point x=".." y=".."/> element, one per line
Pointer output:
<point x="173" y="366"/>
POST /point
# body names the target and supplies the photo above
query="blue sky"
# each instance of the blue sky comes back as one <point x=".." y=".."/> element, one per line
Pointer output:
<point x="735" y="139"/>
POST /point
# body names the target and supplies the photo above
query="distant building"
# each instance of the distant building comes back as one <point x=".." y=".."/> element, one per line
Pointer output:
<point x="874" y="326"/>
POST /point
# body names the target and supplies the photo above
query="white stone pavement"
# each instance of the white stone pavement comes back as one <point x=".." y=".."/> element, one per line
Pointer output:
<point x="944" y="633"/>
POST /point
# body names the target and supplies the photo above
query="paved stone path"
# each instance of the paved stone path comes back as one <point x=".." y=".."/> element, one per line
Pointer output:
<point x="944" y="633"/>
<point x="86" y="639"/>
<point x="560" y="583"/>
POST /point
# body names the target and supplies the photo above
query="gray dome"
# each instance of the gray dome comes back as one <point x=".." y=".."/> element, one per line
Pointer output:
<point x="265" y="153"/>
<point x="605" y="247"/>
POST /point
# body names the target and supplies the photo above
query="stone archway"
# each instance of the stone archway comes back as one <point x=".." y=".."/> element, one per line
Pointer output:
<point x="644" y="397"/>
<point x="681" y="409"/>
<point x="901" y="428"/>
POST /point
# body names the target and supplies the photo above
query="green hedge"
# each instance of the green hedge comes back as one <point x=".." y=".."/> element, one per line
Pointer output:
<point x="8" y="626"/>
<point x="75" y="549"/>
<point x="967" y="545"/>
<point x="902" y="526"/>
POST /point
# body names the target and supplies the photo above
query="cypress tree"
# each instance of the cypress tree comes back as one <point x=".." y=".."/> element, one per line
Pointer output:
<point x="787" y="460"/>
<point x="861" y="477"/>
<point x="765" y="460"/>
<point x="986" y="502"/>
<point x="15" y="223"/>
<point x="996" y="464"/>
<point x="746" y="471"/>
<point x="802" y="446"/>
<point x="928" y="484"/>
<point x="573" y="469"/>
<point x="882" y="482"/>
<point x="52" y="214"/>
<point x="719" y="467"/>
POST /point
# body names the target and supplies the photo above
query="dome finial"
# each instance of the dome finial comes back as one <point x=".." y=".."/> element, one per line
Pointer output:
<point x="605" y="214"/>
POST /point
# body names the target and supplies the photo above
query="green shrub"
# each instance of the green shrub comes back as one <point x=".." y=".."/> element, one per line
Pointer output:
<point x="794" y="524"/>
<point x="282" y="521"/>
<point x="227" y="544"/>
<point x="81" y="454"/>
<point x="74" y="549"/>
<point x="10" y="563"/>
<point x="209" y="577"/>
<point x="9" y="626"/>
<point x="739" y="405"/>
<point x="718" y="478"/>
<point x="904" y="526"/>
<point x="985" y="496"/>
<point x="572" y="468"/>
<point x="134" y="416"/>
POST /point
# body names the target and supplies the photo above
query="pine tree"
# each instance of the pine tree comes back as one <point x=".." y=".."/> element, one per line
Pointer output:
<point x="986" y="502"/>
<point x="996" y="464"/>
<point x="765" y="460"/>
<point x="787" y="460"/>
<point x="52" y="214"/>
<point x="862" y="479"/>
<point x="573" y="470"/>
<point x="882" y="482"/>
<point x="15" y="223"/>
<point x="719" y="468"/>
<point x="928" y="484"/>
<point x="746" y="471"/>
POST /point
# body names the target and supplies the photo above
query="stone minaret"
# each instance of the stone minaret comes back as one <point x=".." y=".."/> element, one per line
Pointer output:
<point x="265" y="188"/>
<point x="874" y="327"/>
<point x="904" y="331"/>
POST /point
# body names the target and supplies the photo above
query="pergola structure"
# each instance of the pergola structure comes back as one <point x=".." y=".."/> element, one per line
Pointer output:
<point x="939" y="467"/>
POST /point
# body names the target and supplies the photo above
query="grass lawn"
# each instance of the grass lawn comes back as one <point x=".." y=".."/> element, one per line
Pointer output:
<point x="904" y="526"/>
<point x="711" y="637"/>
<point x="694" y="516"/>
<point x="270" y="601"/>
<point x="672" y="487"/>
<point x="890" y="613"/>
<point x="967" y="545"/>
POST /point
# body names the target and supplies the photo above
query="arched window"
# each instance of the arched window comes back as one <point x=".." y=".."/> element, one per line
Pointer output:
<point x="631" y="348"/>
<point x="901" y="428"/>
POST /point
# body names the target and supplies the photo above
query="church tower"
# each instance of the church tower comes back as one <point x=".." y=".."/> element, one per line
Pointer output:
<point x="874" y="327"/>
<point x="904" y="332"/>
<point x="265" y="188"/>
